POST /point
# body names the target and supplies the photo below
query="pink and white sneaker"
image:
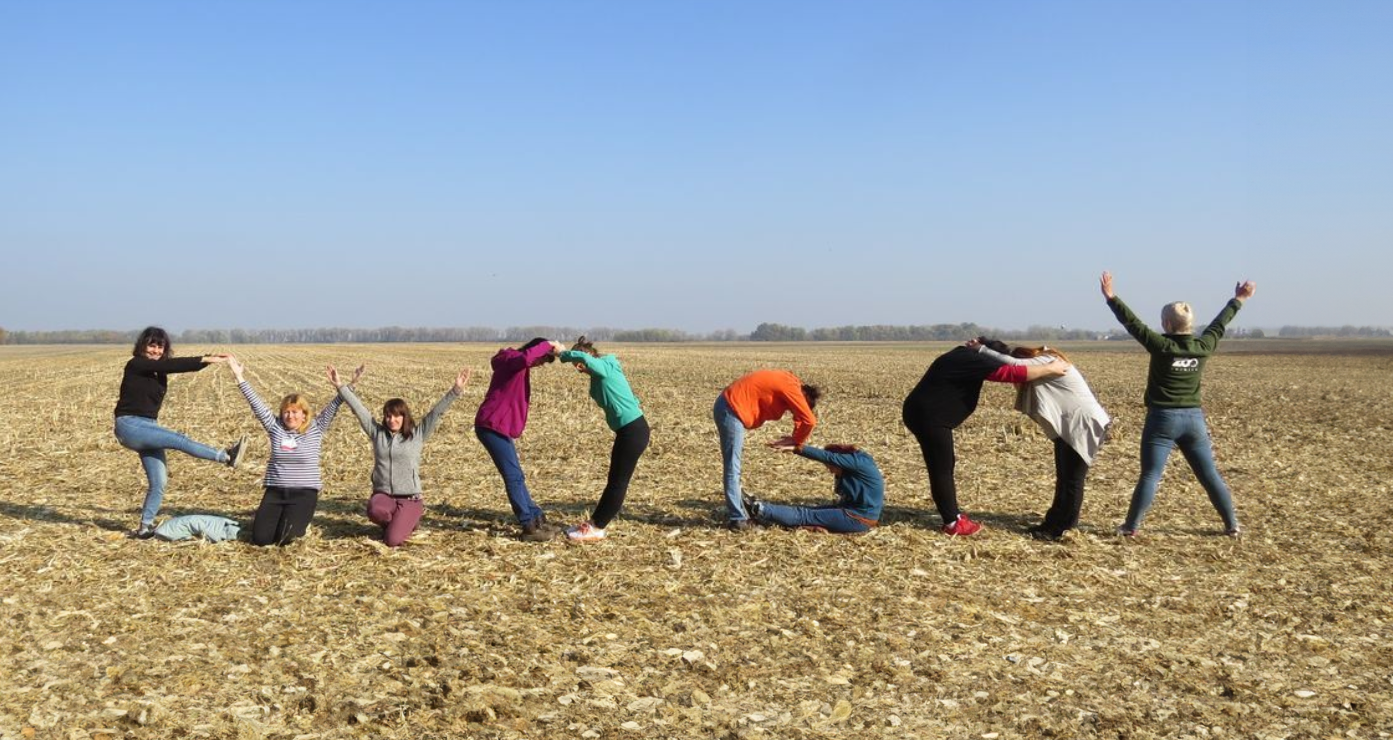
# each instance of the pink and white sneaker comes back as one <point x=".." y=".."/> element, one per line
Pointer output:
<point x="585" y="532"/>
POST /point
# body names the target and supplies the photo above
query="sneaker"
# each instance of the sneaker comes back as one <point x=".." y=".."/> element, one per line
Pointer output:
<point x="143" y="532"/>
<point x="962" y="527"/>
<point x="585" y="532"/>
<point x="754" y="506"/>
<point x="1235" y="532"/>
<point x="739" y="525"/>
<point x="234" y="453"/>
<point x="1126" y="531"/>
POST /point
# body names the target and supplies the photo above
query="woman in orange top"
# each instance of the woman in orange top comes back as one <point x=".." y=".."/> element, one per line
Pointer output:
<point x="761" y="396"/>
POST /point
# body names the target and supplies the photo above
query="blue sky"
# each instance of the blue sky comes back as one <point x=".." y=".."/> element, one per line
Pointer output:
<point x="692" y="165"/>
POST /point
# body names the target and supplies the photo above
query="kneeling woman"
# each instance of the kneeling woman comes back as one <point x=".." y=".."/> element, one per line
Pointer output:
<point x="859" y="487"/>
<point x="292" y="475"/>
<point x="612" y="393"/>
<point x="395" y="503"/>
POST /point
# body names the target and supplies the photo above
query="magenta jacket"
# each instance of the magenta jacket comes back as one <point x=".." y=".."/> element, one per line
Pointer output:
<point x="504" y="409"/>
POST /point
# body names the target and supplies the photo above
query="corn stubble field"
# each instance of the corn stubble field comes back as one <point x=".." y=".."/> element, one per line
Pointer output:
<point x="672" y="627"/>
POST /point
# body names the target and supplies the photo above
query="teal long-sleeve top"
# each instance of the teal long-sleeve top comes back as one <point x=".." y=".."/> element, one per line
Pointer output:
<point x="860" y="488"/>
<point x="608" y="387"/>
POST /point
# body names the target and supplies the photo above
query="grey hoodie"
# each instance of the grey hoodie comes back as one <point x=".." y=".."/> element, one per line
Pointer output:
<point x="396" y="461"/>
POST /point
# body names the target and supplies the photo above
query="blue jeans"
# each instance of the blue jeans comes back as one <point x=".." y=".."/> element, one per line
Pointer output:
<point x="505" y="458"/>
<point x="833" y="518"/>
<point x="150" y="440"/>
<point x="732" y="432"/>
<point x="1186" y="428"/>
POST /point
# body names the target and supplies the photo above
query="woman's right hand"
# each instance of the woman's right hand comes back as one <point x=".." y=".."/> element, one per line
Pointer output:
<point x="1106" y="284"/>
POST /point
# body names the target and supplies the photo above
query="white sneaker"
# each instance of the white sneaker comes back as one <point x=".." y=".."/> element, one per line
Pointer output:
<point x="585" y="532"/>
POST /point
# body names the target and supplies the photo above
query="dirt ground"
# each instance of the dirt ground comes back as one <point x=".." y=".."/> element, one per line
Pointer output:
<point x="672" y="627"/>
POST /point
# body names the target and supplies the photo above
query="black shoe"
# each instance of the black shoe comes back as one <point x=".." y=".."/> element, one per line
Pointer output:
<point x="1041" y="532"/>
<point x="753" y="505"/>
<point x="143" y="532"/>
<point x="739" y="525"/>
<point x="234" y="453"/>
<point x="539" y="530"/>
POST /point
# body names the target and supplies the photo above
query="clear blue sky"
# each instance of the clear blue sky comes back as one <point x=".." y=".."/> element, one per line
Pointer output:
<point x="695" y="165"/>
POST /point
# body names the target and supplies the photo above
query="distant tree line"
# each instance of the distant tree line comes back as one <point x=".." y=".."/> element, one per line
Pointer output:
<point x="370" y="336"/>
<point x="766" y="332"/>
<point x="1334" y="331"/>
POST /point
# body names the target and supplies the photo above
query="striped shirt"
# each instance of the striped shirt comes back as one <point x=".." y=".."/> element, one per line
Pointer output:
<point x="294" y="456"/>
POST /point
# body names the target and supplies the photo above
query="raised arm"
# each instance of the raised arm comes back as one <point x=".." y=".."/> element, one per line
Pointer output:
<point x="259" y="409"/>
<point x="1105" y="282"/>
<point x="432" y="418"/>
<point x="359" y="410"/>
<point x="592" y="364"/>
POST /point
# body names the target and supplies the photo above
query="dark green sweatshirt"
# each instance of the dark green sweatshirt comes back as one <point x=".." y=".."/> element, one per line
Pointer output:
<point x="1177" y="360"/>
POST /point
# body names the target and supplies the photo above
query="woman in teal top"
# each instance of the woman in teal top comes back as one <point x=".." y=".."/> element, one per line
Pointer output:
<point x="611" y="391"/>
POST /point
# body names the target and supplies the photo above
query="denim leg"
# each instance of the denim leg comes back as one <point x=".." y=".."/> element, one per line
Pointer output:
<point x="1157" y="440"/>
<point x="1199" y="452"/>
<point x="831" y="519"/>
<point x="505" y="457"/>
<point x="732" y="432"/>
<point x="139" y="433"/>
<point x="156" y="475"/>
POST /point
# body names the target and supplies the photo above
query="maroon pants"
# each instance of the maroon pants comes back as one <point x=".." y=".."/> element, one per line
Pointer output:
<point x="398" y="516"/>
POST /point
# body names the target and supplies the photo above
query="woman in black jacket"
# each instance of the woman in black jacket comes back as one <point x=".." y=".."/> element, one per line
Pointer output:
<point x="143" y="387"/>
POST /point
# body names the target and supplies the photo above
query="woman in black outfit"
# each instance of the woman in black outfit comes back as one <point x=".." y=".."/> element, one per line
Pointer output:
<point x="143" y="387"/>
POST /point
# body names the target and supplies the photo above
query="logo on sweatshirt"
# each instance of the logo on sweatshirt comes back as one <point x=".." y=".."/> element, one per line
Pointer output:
<point x="1186" y="364"/>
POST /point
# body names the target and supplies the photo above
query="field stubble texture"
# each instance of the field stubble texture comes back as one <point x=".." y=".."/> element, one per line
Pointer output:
<point x="672" y="627"/>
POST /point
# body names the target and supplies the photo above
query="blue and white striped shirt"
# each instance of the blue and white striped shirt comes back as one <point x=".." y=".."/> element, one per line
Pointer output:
<point x="294" y="456"/>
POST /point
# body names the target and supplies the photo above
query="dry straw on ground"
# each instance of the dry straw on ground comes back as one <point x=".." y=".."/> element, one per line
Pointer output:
<point x="671" y="627"/>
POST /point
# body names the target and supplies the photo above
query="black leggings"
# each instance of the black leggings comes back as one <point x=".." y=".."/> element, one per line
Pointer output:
<point x="284" y="515"/>
<point x="1069" y="473"/>
<point x="629" y="443"/>
<point x="936" y="443"/>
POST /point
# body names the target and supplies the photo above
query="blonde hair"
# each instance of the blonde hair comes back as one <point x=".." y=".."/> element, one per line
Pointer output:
<point x="298" y="401"/>
<point x="1177" y="318"/>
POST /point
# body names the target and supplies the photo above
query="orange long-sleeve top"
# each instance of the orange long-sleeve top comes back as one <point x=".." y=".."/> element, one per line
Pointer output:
<point x="766" y="395"/>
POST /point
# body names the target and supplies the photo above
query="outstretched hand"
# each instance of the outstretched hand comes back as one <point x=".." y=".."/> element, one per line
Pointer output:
<point x="1106" y="284"/>
<point x="461" y="380"/>
<point x="338" y="382"/>
<point x="1244" y="290"/>
<point x="784" y="444"/>
<point x="215" y="358"/>
<point x="236" y="366"/>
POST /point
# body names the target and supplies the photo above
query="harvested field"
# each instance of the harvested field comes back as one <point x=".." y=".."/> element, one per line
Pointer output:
<point x="672" y="628"/>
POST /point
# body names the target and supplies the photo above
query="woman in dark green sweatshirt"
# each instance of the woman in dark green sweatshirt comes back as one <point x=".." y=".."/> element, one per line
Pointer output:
<point x="1173" y="414"/>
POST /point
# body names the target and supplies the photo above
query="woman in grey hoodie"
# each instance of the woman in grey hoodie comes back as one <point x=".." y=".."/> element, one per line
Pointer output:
<point x="1070" y="415"/>
<point x="396" y="503"/>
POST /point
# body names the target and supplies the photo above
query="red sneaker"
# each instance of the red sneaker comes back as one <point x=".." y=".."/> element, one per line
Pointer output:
<point x="963" y="527"/>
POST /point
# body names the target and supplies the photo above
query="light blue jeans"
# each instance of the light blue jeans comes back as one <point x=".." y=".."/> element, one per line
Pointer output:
<point x="1185" y="428"/>
<point x="147" y="438"/>
<point x="832" y="518"/>
<point x="732" y="432"/>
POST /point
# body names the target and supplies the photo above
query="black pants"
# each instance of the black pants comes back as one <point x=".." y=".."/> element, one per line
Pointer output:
<point x="284" y="515"/>
<point x="629" y="443"/>
<point x="936" y="442"/>
<point x="1069" y="473"/>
